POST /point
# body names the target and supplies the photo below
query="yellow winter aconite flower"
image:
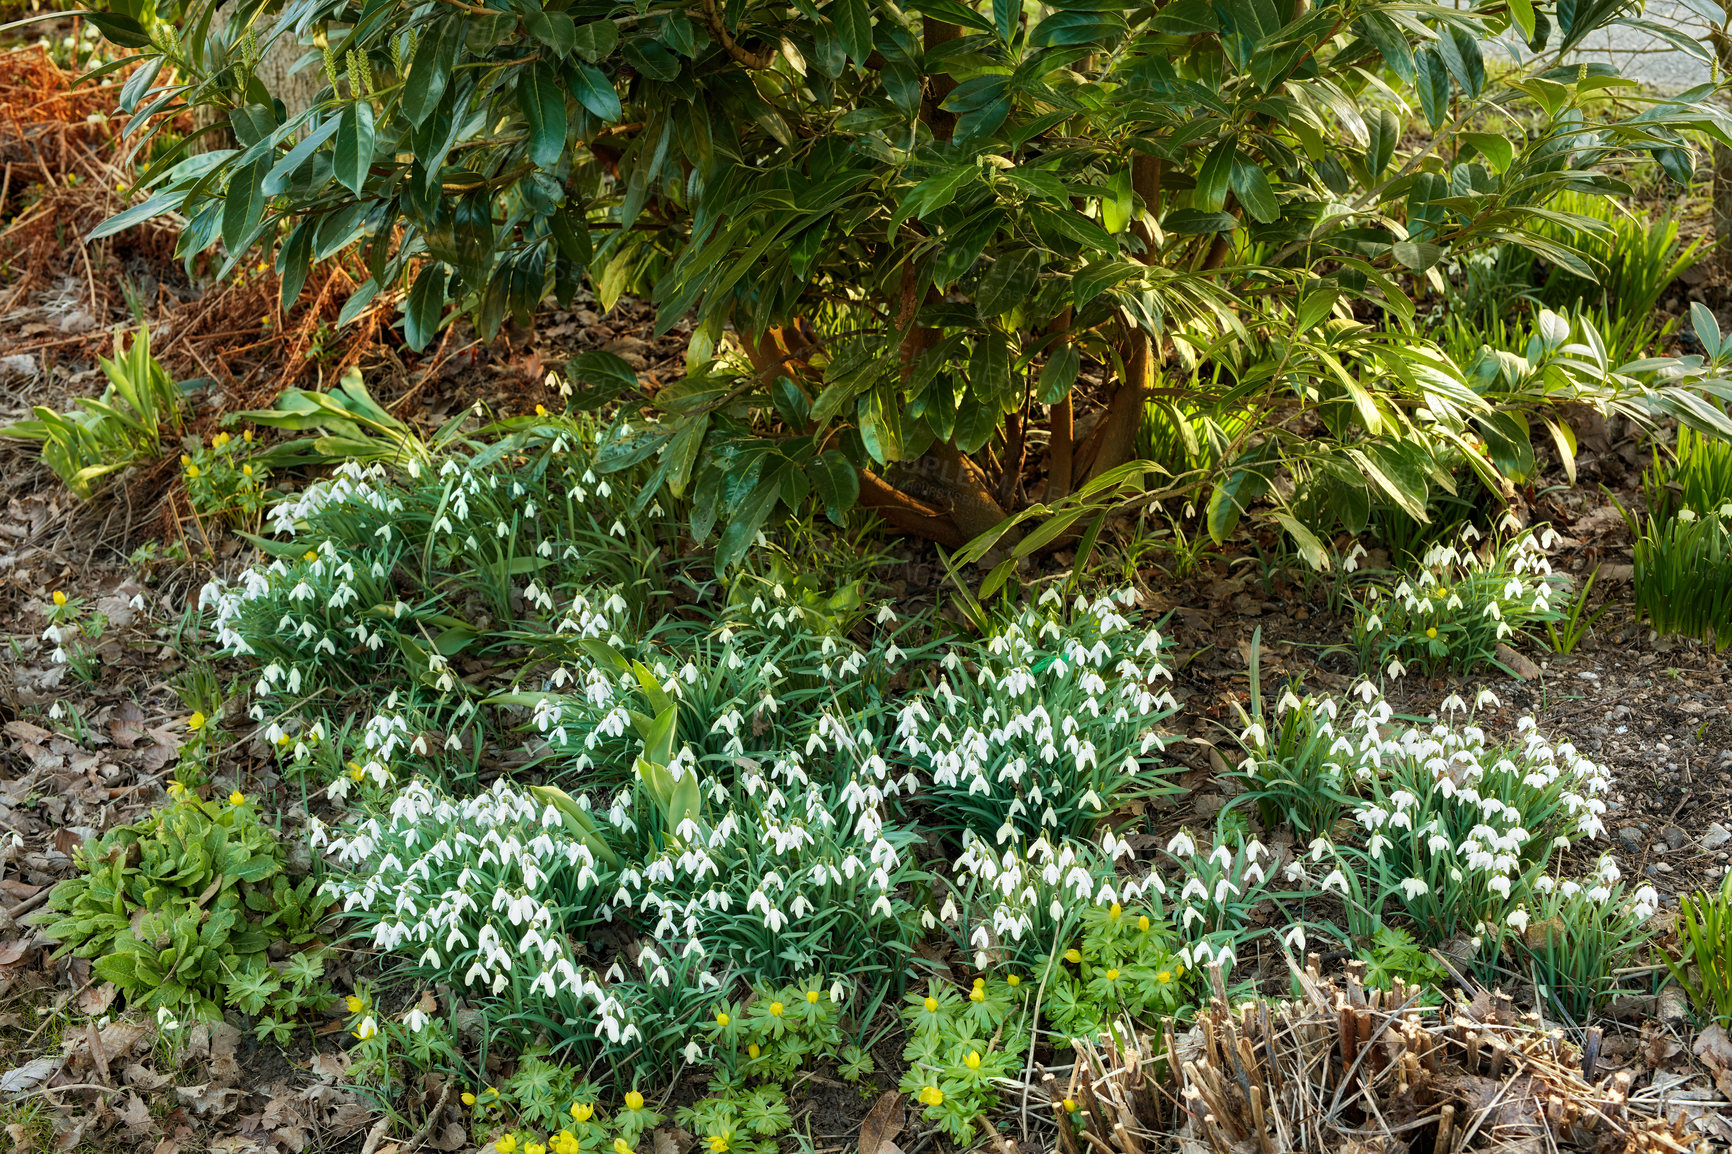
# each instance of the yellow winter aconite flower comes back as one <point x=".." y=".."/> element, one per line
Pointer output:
<point x="1116" y="911"/>
<point x="931" y="1004"/>
<point x="59" y="597"/>
<point x="978" y="994"/>
<point x="753" y="1050"/>
<point x="541" y="410"/>
<point x="1013" y="981"/>
<point x="192" y="472"/>
<point x="722" y="1018"/>
<point x="220" y="440"/>
<point x="247" y="436"/>
<point x="718" y="1145"/>
<point x="620" y="1147"/>
<point x="506" y="1145"/>
<point x="246" y="470"/>
<point x="197" y="721"/>
<point x="973" y="1060"/>
<point x="1073" y="956"/>
<point x="812" y="997"/>
<point x="1431" y="631"/>
<point x="1068" y="1105"/>
<point x="176" y="789"/>
<point x="535" y="1148"/>
<point x="633" y="1100"/>
<point x="932" y="1096"/>
<point x="582" y="1111"/>
<point x="1163" y="976"/>
<point x="1112" y="975"/>
<point x="185" y="460"/>
<point x="468" y="1098"/>
<point x="353" y="1003"/>
<point x="775" y="1009"/>
<point x="309" y="555"/>
<point x="236" y="797"/>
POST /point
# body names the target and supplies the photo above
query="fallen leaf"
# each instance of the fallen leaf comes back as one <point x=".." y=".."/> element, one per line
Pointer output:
<point x="11" y="952"/>
<point x="135" y="1114"/>
<point x="93" y="1000"/>
<point x="1714" y="1049"/>
<point x="25" y="1078"/>
<point x="883" y="1123"/>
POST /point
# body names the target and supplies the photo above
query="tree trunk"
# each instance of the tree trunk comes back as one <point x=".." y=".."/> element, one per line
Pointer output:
<point x="296" y="90"/>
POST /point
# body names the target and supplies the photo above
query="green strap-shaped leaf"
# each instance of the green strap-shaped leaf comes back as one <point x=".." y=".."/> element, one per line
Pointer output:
<point x="425" y="306"/>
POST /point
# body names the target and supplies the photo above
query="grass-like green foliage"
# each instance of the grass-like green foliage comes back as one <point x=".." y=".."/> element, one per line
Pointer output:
<point x="1293" y="775"/>
<point x="103" y="435"/>
<point x="1574" y="620"/>
<point x="1683" y="549"/>
<point x="180" y="909"/>
<point x="1635" y="259"/>
<point x="1577" y="933"/>
<point x="1703" y="966"/>
<point x="1453" y="610"/>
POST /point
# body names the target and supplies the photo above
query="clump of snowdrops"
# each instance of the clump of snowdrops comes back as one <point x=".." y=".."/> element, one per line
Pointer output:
<point x="1453" y="611"/>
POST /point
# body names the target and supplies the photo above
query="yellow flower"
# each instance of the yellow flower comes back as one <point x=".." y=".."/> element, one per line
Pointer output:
<point x="1431" y="631"/>
<point x="1143" y="923"/>
<point x="1163" y="976"/>
<point x="812" y="997"/>
<point x="535" y="1148"/>
<point x="185" y="460"/>
<point x="197" y="721"/>
<point x="353" y="1003"/>
<point x="1178" y="971"/>
<point x="236" y="797"/>
<point x="468" y="1098"/>
<point x="59" y="597"/>
<point x="932" y="1096"/>
<point x="220" y="440"/>
<point x="1115" y="912"/>
<point x="633" y="1100"/>
<point x="356" y="773"/>
<point x="718" y="1144"/>
<point x="973" y="1060"/>
<point x="753" y="1050"/>
<point x="979" y="982"/>
<point x="176" y="789"/>
<point x="620" y="1147"/>
<point x="931" y="1005"/>
<point x="192" y="472"/>
<point x="506" y="1144"/>
<point x="775" y="1009"/>
<point x="1112" y="975"/>
<point x="309" y="555"/>
<point x="284" y="741"/>
<point x="722" y="1018"/>
<point x="582" y="1111"/>
<point x="1068" y="1105"/>
<point x="1073" y="956"/>
<point x="978" y="994"/>
<point x="541" y="410"/>
<point x="247" y="434"/>
<point x="246" y="470"/>
<point x="366" y="1029"/>
<point x="1013" y="981"/>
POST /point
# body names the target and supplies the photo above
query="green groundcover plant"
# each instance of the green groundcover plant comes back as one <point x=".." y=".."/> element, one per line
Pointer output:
<point x="180" y="912"/>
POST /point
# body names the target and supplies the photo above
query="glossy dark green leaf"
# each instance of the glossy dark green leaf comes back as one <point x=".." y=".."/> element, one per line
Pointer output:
<point x="354" y="147"/>
<point x="989" y="376"/>
<point x="952" y="12"/>
<point x="1433" y="85"/>
<point x="836" y="483"/>
<point x="1461" y="55"/>
<point x="593" y="91"/>
<point x="294" y="261"/>
<point x="853" y="20"/>
<point x="1059" y="374"/>
<point x="243" y="205"/>
<point x="1251" y="186"/>
<point x="425" y="306"/>
<point x="1385" y="131"/>
<point x="595" y="41"/>
<point x="543" y="105"/>
<point x="1214" y="177"/>
<point x="553" y="29"/>
<point x="1007" y="282"/>
<point x="1065" y="28"/>
<point x="430" y="70"/>
<point x="976" y="420"/>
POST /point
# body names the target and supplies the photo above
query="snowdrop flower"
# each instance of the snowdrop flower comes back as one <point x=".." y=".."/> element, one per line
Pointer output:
<point x="1414" y="888"/>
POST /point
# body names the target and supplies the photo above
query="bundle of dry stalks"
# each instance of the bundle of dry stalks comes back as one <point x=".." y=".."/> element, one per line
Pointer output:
<point x="1345" y="1068"/>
